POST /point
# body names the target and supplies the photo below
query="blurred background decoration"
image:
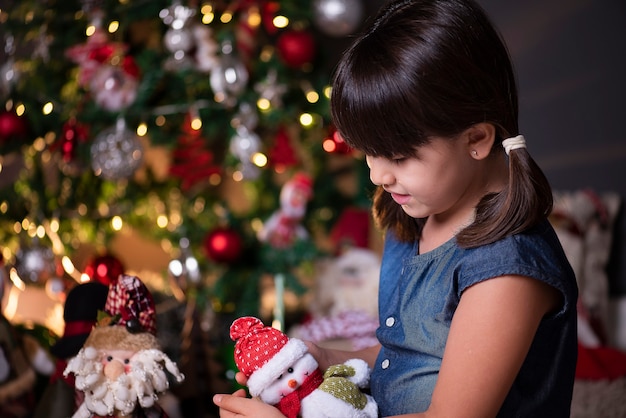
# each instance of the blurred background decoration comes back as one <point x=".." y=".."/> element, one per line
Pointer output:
<point x="154" y="137"/>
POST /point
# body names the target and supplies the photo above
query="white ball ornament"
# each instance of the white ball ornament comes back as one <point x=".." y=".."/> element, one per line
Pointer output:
<point x="337" y="17"/>
<point x="116" y="153"/>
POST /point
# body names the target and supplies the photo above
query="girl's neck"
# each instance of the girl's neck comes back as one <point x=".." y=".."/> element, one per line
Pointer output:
<point x="437" y="231"/>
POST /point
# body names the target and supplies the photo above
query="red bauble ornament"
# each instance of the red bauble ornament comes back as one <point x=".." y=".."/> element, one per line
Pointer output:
<point x="296" y="48"/>
<point x="334" y="143"/>
<point x="72" y="134"/>
<point x="12" y="126"/>
<point x="104" y="269"/>
<point x="223" y="245"/>
<point x="283" y="154"/>
<point x="268" y="13"/>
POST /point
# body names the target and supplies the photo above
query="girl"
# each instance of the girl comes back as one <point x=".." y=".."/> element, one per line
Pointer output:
<point x="477" y="299"/>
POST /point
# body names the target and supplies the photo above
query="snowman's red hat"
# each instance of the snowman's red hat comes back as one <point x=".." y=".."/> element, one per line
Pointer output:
<point x="263" y="353"/>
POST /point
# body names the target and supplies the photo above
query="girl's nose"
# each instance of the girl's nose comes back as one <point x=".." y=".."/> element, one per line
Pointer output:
<point x="379" y="171"/>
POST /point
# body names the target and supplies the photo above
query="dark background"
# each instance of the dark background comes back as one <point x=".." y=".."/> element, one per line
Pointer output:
<point x="570" y="57"/>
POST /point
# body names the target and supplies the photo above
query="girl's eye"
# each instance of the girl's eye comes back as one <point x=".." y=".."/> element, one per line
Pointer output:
<point x="398" y="160"/>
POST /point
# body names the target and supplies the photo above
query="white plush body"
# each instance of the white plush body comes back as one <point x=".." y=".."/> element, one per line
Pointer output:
<point x="320" y="404"/>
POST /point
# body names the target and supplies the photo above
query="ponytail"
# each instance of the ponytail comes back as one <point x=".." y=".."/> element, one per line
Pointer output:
<point x="525" y="202"/>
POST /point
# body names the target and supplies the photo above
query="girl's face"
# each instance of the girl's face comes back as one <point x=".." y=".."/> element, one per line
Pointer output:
<point x="439" y="179"/>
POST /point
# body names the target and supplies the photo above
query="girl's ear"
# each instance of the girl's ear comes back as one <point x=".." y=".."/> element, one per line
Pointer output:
<point x="480" y="139"/>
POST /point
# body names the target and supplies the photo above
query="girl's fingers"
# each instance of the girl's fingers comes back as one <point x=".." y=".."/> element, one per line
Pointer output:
<point x="241" y="378"/>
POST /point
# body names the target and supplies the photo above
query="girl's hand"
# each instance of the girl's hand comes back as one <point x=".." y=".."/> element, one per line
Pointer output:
<point x="237" y="405"/>
<point x="241" y="379"/>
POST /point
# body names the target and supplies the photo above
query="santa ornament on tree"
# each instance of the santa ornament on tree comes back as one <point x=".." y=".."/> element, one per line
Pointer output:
<point x="121" y="369"/>
<point x="284" y="227"/>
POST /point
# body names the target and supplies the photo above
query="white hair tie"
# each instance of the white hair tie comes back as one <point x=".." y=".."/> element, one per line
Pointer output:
<point x="514" y="143"/>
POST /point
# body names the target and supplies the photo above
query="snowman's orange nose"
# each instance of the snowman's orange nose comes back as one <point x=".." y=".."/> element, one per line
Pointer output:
<point x="292" y="383"/>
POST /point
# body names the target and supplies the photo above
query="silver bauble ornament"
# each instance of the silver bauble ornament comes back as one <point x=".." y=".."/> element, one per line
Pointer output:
<point x="35" y="264"/>
<point x="178" y="39"/>
<point x="246" y="116"/>
<point x="116" y="153"/>
<point x="229" y="77"/>
<point x="8" y="70"/>
<point x="337" y="17"/>
<point x="179" y="42"/>
<point x="244" y="144"/>
<point x="8" y="77"/>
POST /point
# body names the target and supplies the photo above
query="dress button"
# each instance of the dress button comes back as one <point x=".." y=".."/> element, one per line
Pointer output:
<point x="385" y="363"/>
<point x="390" y="321"/>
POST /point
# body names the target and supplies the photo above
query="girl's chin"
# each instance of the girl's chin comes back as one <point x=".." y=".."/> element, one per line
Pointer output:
<point x="413" y="212"/>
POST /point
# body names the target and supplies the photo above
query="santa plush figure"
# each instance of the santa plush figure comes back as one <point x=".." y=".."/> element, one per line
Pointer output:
<point x="282" y="372"/>
<point x="121" y="369"/>
<point x="284" y="227"/>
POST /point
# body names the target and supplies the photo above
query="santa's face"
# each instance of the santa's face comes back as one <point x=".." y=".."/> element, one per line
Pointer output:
<point x="115" y="363"/>
<point x="292" y="378"/>
<point x="116" y="381"/>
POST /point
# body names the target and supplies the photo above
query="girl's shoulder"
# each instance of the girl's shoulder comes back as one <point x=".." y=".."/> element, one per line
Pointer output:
<point x="536" y="243"/>
<point x="535" y="253"/>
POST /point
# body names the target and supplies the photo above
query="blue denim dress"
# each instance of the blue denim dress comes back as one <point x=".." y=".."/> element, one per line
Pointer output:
<point x="419" y="294"/>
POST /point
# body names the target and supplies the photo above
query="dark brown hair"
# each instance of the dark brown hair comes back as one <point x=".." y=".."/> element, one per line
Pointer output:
<point x="435" y="68"/>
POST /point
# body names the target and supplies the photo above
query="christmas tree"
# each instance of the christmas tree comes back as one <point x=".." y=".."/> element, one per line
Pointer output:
<point x="182" y="121"/>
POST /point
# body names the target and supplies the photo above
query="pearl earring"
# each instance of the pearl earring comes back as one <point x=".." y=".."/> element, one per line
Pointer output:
<point x="475" y="153"/>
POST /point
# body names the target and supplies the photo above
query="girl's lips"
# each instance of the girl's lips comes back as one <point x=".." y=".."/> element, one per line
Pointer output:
<point x="401" y="199"/>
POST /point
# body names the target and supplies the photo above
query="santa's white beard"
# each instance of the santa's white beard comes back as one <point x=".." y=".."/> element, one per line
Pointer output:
<point x="143" y="383"/>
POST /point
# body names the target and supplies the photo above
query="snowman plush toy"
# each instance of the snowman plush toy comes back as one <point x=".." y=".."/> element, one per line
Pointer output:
<point x="282" y="372"/>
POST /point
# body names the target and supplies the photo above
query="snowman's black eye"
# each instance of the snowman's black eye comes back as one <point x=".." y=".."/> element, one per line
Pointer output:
<point x="290" y="370"/>
<point x="280" y="377"/>
<point x="109" y="358"/>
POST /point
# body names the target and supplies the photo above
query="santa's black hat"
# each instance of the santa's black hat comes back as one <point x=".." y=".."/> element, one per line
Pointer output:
<point x="80" y="314"/>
